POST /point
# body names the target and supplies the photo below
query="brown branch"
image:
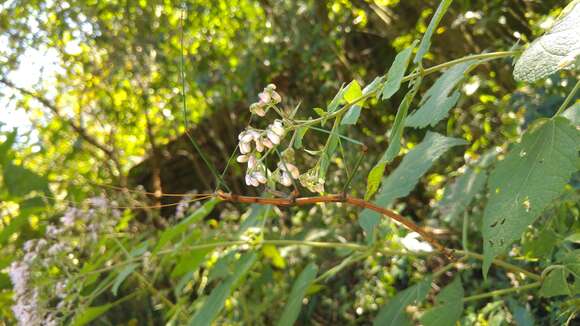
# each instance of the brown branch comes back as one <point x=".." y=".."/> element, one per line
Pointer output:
<point x="338" y="199"/>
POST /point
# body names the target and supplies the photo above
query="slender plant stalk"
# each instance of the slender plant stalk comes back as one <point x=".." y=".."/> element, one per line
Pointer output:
<point x="568" y="99"/>
<point x="502" y="292"/>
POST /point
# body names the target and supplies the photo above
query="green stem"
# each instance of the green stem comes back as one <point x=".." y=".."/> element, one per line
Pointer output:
<point x="502" y="292"/>
<point x="568" y="99"/>
<point x="502" y="264"/>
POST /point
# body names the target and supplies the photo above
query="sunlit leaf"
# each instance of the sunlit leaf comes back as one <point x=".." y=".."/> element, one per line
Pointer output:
<point x="292" y="308"/>
<point x="531" y="176"/>
<point x="440" y="98"/>
<point x="393" y="313"/>
<point x="558" y="49"/>
<point x="449" y="306"/>
<point x="399" y="183"/>
<point x="20" y="181"/>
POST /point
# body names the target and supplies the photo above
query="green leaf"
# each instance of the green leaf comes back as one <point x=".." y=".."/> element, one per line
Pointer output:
<point x="189" y="262"/>
<point x="426" y="40"/>
<point x="418" y="161"/>
<point x="123" y="274"/>
<point x="352" y="92"/>
<point x="216" y="300"/>
<point x="449" y="306"/>
<point x="320" y="112"/>
<point x="373" y="86"/>
<point x="6" y="146"/>
<point x="573" y="238"/>
<point x="397" y="72"/>
<point x="438" y="100"/>
<point x="558" y="49"/>
<point x="15" y="225"/>
<point x="393" y="313"/>
<point x="555" y="283"/>
<point x="542" y="245"/>
<point x="180" y="228"/>
<point x="531" y="176"/>
<point x="573" y="114"/>
<point x="20" y="181"/>
<point x="300" y="132"/>
<point x="522" y="316"/>
<point x="460" y="193"/>
<point x="333" y="105"/>
<point x="294" y="305"/>
<point x="90" y="314"/>
<point x="376" y="173"/>
<point x="351" y="116"/>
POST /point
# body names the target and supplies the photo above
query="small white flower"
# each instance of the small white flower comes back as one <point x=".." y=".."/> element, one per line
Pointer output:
<point x="246" y="136"/>
<point x="411" y="242"/>
<point x="266" y="142"/>
<point x="242" y="158"/>
<point x="245" y="148"/>
<point x="285" y="179"/>
<point x="259" y="176"/>
<point x="274" y="138"/>
<point x="265" y="98"/>
<point x="259" y="146"/>
<point x="278" y="128"/>
<point x="258" y="108"/>
<point x="252" y="162"/>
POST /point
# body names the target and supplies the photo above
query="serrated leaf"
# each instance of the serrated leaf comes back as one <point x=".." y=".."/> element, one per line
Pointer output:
<point x="121" y="276"/>
<point x="426" y="40"/>
<point x="555" y="283"/>
<point x="399" y="183"/>
<point x="531" y="176"/>
<point x="180" y="228"/>
<point x="216" y="300"/>
<point x="449" y="306"/>
<point x="376" y="173"/>
<point x="397" y="72"/>
<point x="460" y="193"/>
<point x="393" y="313"/>
<point x="294" y="305"/>
<point x="558" y="49"/>
<point x="440" y="98"/>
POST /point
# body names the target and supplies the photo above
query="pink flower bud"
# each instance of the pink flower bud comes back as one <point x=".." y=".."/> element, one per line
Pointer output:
<point x="242" y="158"/>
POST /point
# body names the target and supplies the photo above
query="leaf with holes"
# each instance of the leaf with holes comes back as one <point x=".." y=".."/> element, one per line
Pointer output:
<point x="558" y="49"/>
<point x="531" y="176"/>
<point x="441" y="97"/>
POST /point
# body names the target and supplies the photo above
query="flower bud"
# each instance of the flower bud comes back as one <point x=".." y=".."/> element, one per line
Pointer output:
<point x="242" y="158"/>
<point x="276" y="98"/>
<point x="273" y="137"/>
<point x="278" y="128"/>
<point x="245" y="148"/>
<point x="267" y="143"/>
<point x="260" y="177"/>
<point x="285" y="179"/>
<point x="265" y="98"/>
<point x="246" y="136"/>
<point x="252" y="162"/>
<point x="259" y="146"/>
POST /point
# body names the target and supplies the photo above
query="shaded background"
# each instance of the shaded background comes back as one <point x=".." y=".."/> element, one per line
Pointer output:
<point x="93" y="88"/>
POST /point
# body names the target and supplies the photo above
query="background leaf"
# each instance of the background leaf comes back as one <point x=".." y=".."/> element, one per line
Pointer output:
<point x="216" y="300"/>
<point x="449" y="306"/>
<point x="393" y="313"/>
<point x="531" y="176"/>
<point x="294" y="304"/>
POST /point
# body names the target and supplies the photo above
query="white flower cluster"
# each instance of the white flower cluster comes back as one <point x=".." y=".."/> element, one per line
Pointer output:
<point x="34" y="302"/>
<point x="268" y="98"/>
